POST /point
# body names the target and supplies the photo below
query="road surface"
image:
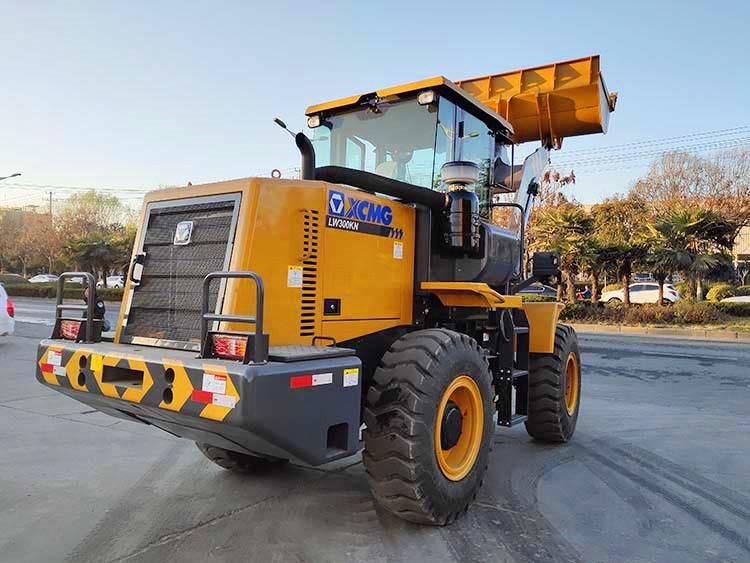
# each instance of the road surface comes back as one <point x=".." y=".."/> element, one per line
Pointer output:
<point x="658" y="471"/>
<point x="38" y="311"/>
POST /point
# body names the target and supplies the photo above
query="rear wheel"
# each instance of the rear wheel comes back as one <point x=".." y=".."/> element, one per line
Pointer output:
<point x="429" y="426"/>
<point x="239" y="462"/>
<point x="555" y="389"/>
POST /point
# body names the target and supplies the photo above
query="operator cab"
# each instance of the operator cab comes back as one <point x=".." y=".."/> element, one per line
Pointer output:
<point x="434" y="136"/>
<point x="410" y="132"/>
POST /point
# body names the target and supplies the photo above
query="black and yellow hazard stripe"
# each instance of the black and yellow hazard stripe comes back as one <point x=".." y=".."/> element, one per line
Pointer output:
<point x="82" y="369"/>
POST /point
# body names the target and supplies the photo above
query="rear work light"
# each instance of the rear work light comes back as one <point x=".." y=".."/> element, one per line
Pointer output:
<point x="229" y="346"/>
<point x="10" y="308"/>
<point x="70" y="329"/>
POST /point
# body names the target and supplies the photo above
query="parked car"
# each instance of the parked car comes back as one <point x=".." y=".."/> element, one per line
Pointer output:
<point x="112" y="281"/>
<point x="13" y="279"/>
<point x="642" y="293"/>
<point x="539" y="289"/>
<point x="43" y="278"/>
<point x="737" y="299"/>
<point x="7" y="312"/>
<point x="643" y="277"/>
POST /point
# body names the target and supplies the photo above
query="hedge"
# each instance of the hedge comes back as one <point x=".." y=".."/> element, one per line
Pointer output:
<point x="734" y="309"/>
<point x="50" y="291"/>
<point x="537" y="298"/>
<point x="720" y="291"/>
<point x="683" y="312"/>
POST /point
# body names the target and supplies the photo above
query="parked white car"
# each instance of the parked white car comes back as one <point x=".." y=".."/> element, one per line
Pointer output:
<point x="43" y="278"/>
<point x="112" y="281"/>
<point x="737" y="299"/>
<point x="7" y="312"/>
<point x="646" y="292"/>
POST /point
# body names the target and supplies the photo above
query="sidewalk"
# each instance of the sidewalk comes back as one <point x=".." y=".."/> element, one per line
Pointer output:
<point x="666" y="332"/>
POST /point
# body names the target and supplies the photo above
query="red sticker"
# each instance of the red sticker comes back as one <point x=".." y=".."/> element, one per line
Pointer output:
<point x="299" y="381"/>
<point x="202" y="396"/>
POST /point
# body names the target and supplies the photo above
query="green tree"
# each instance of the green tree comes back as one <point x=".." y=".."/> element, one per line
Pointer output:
<point x="618" y="222"/>
<point x="11" y="226"/>
<point x="567" y="230"/>
<point x="593" y="261"/>
<point x="690" y="241"/>
<point x="90" y="212"/>
<point x="39" y="242"/>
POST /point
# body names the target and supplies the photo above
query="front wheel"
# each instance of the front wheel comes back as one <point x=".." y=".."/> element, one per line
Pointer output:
<point x="555" y="389"/>
<point x="429" y="426"/>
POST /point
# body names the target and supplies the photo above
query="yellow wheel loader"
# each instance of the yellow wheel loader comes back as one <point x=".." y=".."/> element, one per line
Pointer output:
<point x="370" y="304"/>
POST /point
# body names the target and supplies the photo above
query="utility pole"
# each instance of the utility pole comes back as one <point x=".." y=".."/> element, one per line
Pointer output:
<point x="50" y="207"/>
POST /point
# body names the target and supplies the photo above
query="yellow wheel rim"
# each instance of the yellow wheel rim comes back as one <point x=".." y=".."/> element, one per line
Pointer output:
<point x="572" y="384"/>
<point x="456" y="462"/>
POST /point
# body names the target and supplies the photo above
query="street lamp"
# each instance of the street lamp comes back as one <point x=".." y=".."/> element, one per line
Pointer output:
<point x="11" y="176"/>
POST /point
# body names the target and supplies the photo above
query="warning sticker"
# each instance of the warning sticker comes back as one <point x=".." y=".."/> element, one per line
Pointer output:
<point x="398" y="250"/>
<point x="214" y="383"/>
<point x="54" y="358"/>
<point x="351" y="377"/>
<point x="322" y="378"/>
<point x="294" y="276"/>
<point x="224" y="401"/>
<point x="60" y="371"/>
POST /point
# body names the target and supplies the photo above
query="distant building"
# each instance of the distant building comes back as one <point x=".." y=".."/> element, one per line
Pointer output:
<point x="741" y="255"/>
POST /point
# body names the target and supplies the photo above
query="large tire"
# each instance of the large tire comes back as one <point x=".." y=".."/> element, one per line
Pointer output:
<point x="239" y="462"/>
<point x="555" y="389"/>
<point x="424" y="377"/>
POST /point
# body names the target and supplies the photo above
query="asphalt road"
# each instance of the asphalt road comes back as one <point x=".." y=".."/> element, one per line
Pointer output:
<point x="42" y="311"/>
<point x="658" y="471"/>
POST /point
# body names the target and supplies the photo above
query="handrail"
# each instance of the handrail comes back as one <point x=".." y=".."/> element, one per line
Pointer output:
<point x="90" y="304"/>
<point x="258" y="340"/>
<point x="523" y="225"/>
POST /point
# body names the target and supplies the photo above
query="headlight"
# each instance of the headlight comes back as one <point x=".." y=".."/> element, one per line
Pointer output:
<point x="426" y="98"/>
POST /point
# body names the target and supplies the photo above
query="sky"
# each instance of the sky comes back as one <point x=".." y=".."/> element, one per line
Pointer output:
<point x="140" y="94"/>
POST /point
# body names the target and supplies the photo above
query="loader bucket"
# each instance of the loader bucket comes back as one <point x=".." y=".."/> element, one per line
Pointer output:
<point x="549" y="102"/>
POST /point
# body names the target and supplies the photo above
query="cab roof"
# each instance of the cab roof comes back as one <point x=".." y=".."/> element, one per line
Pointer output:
<point x="440" y="84"/>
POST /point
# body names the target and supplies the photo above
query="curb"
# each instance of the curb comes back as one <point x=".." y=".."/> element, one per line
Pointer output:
<point x="687" y="333"/>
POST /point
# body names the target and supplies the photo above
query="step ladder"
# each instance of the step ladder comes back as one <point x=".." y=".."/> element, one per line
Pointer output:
<point x="510" y="371"/>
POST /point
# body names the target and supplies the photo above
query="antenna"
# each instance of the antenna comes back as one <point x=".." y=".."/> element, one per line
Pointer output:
<point x="281" y="124"/>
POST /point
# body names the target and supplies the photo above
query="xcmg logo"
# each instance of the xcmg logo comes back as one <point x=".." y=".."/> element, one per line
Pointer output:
<point x="359" y="209"/>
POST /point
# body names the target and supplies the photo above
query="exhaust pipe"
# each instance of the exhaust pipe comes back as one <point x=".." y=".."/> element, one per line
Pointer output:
<point x="307" y="154"/>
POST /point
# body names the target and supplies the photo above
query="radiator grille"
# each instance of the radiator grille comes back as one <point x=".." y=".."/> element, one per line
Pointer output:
<point x="167" y="303"/>
<point x="309" y="295"/>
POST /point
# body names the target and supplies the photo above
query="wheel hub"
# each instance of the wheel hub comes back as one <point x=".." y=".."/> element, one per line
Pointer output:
<point x="450" y="429"/>
<point x="459" y="426"/>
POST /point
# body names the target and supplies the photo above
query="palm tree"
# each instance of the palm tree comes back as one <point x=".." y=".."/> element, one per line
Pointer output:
<point x="593" y="261"/>
<point x="689" y="241"/>
<point x="565" y="229"/>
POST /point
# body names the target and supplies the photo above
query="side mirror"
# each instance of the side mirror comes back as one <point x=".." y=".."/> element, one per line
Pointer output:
<point x="545" y="266"/>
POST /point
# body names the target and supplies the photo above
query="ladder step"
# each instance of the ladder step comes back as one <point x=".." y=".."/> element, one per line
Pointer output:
<point x="521" y="329"/>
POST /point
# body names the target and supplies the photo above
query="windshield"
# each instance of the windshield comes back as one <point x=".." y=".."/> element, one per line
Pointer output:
<point x="400" y="139"/>
<point x="395" y="140"/>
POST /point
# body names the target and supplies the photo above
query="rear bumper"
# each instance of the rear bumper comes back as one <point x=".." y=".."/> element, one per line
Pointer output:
<point x="7" y="326"/>
<point x="256" y="409"/>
